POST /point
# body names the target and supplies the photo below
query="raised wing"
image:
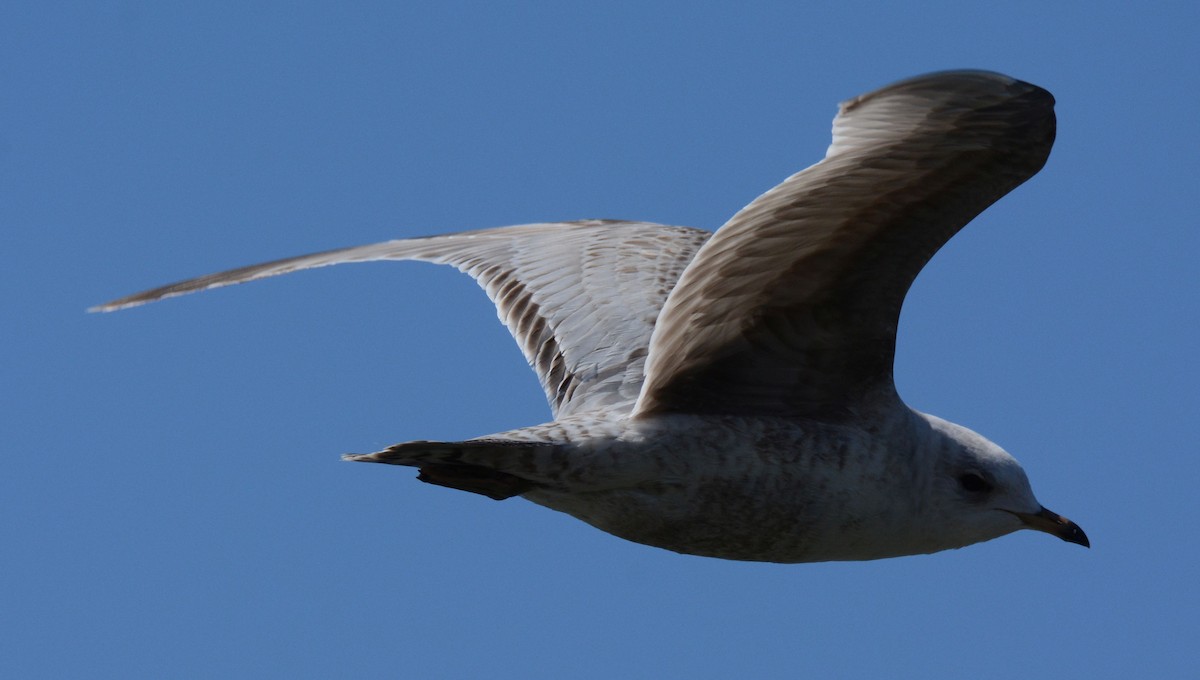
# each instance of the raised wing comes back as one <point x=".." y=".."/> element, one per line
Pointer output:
<point x="580" y="298"/>
<point x="791" y="308"/>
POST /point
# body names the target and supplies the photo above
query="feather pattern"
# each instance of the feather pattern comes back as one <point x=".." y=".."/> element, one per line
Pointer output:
<point x="580" y="298"/>
<point x="791" y="308"/>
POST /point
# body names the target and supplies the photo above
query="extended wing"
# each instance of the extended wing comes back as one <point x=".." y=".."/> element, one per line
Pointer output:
<point x="791" y="308"/>
<point x="580" y="298"/>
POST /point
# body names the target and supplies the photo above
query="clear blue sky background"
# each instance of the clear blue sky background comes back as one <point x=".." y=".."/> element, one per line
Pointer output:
<point x="171" y="499"/>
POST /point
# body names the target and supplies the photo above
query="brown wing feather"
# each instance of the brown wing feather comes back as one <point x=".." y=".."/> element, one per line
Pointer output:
<point x="791" y="308"/>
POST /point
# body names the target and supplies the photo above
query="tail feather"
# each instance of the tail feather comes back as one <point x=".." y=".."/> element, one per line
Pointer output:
<point x="466" y="466"/>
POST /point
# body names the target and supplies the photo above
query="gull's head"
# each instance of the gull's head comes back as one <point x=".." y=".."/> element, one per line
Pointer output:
<point x="979" y="491"/>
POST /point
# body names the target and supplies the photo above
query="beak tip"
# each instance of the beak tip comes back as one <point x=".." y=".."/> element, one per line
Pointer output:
<point x="1056" y="525"/>
<point x="1073" y="534"/>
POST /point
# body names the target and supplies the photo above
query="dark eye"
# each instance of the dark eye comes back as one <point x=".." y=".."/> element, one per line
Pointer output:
<point x="973" y="482"/>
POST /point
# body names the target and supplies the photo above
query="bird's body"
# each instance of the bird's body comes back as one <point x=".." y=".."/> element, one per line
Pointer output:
<point x="731" y="394"/>
<point x="735" y="487"/>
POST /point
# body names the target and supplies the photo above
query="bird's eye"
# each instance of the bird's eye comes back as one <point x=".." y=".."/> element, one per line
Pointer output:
<point x="973" y="482"/>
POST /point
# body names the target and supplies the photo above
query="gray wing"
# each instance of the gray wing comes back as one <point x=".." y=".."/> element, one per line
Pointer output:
<point x="791" y="308"/>
<point x="580" y="298"/>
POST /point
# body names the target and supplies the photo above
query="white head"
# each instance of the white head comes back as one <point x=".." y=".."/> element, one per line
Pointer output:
<point x="979" y="492"/>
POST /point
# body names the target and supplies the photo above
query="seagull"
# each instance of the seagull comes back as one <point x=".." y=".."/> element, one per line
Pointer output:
<point x="729" y="394"/>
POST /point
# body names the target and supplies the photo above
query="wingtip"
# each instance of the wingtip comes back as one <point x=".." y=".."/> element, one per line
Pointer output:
<point x="106" y="307"/>
<point x="957" y="80"/>
<point x="146" y="297"/>
<point x="135" y="300"/>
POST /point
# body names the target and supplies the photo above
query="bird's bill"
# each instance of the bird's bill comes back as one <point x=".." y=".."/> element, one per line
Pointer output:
<point x="1055" y="525"/>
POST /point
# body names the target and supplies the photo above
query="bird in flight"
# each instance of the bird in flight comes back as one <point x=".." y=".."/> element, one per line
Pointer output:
<point x="730" y="393"/>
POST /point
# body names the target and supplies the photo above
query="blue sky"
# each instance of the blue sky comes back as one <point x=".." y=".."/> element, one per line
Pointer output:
<point x="171" y="499"/>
